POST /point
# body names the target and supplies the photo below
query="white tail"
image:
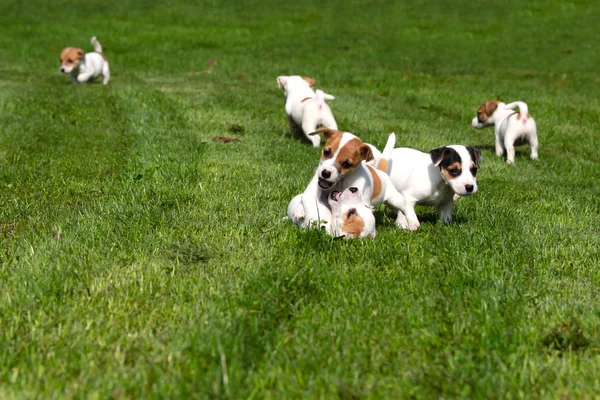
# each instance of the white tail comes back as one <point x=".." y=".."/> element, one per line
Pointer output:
<point x="523" y="109"/>
<point x="322" y="96"/>
<point x="97" y="45"/>
<point x="384" y="160"/>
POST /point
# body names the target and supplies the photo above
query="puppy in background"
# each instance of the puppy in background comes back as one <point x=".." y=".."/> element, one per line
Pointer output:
<point x="510" y="127"/>
<point x="351" y="218"/>
<point x="85" y="67"/>
<point x="305" y="109"/>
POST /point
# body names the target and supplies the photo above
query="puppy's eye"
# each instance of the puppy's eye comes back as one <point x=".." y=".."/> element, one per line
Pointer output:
<point x="351" y="212"/>
<point x="454" y="171"/>
<point x="327" y="153"/>
<point x="346" y="165"/>
<point x="69" y="60"/>
<point x="474" y="171"/>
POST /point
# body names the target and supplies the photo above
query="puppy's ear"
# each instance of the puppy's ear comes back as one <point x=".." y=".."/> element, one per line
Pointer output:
<point x="310" y="81"/>
<point x="475" y="155"/>
<point x="281" y="81"/>
<point x="490" y="107"/>
<point x="80" y="53"/>
<point x="437" y="155"/>
<point x="327" y="132"/>
<point x="366" y="153"/>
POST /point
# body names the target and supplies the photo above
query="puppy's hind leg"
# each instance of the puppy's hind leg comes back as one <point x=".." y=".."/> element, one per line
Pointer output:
<point x="105" y="74"/>
<point x="510" y="151"/>
<point x="329" y="122"/>
<point x="406" y="219"/>
<point x="533" y="143"/>
<point x="310" y="126"/>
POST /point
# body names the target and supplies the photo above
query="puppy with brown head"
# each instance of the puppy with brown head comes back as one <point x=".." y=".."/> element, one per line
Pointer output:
<point x="351" y="218"/>
<point x="84" y="67"/>
<point x="511" y="128"/>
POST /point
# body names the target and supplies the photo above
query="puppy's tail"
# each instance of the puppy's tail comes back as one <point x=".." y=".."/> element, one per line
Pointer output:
<point x="386" y="154"/>
<point x="322" y="96"/>
<point x="97" y="45"/>
<point x="523" y="109"/>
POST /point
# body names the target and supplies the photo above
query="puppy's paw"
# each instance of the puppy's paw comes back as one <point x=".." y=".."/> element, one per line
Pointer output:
<point x="510" y="162"/>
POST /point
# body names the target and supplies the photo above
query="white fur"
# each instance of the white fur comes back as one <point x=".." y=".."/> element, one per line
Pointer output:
<point x="419" y="180"/>
<point x="510" y="131"/>
<point x="91" y="67"/>
<point x="306" y="115"/>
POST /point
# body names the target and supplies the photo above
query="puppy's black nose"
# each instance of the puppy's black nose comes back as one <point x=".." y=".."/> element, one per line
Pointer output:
<point x="62" y="70"/>
<point x="469" y="188"/>
<point x="325" y="174"/>
<point x="353" y="189"/>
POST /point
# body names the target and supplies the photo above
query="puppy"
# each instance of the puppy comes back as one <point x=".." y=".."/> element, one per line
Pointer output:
<point x="511" y="128"/>
<point x="351" y="218"/>
<point x="432" y="179"/>
<point x="85" y="67"/>
<point x="344" y="164"/>
<point x="312" y="206"/>
<point x="305" y="109"/>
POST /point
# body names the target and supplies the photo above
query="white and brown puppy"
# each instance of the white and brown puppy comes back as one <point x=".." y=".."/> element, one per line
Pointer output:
<point x="305" y="109"/>
<point x="351" y="218"/>
<point x="432" y="179"/>
<point x="344" y="164"/>
<point x="510" y="127"/>
<point x="85" y="67"/>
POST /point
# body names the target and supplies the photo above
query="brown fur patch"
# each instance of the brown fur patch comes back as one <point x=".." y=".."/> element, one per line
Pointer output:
<point x="310" y="81"/>
<point x="332" y="141"/>
<point x="351" y="153"/>
<point x="376" y="183"/>
<point x="383" y="165"/>
<point x="73" y="54"/>
<point x="306" y="98"/>
<point x="486" y="110"/>
<point x="446" y="170"/>
<point x="353" y="226"/>
<point x="519" y="116"/>
<point x="103" y="56"/>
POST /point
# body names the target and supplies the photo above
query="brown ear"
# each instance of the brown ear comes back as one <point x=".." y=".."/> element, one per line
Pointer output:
<point x="310" y="81"/>
<point x="366" y="153"/>
<point x="490" y="107"/>
<point x="327" y="132"/>
<point x="437" y="155"/>
<point x="80" y="53"/>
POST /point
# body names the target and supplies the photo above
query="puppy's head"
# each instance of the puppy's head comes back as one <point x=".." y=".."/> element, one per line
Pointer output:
<point x="70" y="58"/>
<point x="291" y="83"/>
<point x="484" y="114"/>
<point x="342" y="154"/>
<point x="458" y="166"/>
<point x="351" y="217"/>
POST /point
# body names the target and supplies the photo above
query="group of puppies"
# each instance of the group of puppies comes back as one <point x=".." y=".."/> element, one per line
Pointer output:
<point x="353" y="176"/>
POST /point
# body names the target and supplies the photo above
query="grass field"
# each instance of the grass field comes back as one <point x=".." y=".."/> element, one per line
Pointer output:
<point x="141" y="259"/>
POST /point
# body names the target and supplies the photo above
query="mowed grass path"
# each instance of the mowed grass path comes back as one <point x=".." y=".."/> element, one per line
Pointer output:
<point x="138" y="258"/>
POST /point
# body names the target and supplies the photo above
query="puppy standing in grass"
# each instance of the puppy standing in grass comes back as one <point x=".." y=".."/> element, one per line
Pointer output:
<point x="510" y="127"/>
<point x="85" y="67"/>
<point x="306" y="109"/>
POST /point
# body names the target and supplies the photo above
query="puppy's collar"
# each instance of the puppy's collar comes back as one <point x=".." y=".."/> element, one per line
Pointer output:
<point x="306" y="98"/>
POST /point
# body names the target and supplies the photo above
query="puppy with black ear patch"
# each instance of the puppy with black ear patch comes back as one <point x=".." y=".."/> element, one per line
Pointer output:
<point x="432" y="179"/>
<point x="305" y="109"/>
<point x="85" y="67"/>
<point x="511" y="128"/>
<point x="351" y="218"/>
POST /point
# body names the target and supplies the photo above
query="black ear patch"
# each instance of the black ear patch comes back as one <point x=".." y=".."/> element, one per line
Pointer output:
<point x="444" y="156"/>
<point x="475" y="154"/>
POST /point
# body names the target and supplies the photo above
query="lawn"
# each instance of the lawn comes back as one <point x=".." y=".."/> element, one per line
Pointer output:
<point x="141" y="259"/>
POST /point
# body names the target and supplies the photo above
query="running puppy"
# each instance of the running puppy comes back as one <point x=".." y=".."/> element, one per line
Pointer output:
<point x="85" y="67"/>
<point x="510" y="127"/>
<point x="305" y="109"/>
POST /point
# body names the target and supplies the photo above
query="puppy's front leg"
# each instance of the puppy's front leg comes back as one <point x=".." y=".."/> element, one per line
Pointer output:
<point x="446" y="212"/>
<point x="82" y="78"/>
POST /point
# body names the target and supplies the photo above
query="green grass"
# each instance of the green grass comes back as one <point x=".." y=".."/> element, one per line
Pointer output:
<point x="138" y="258"/>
